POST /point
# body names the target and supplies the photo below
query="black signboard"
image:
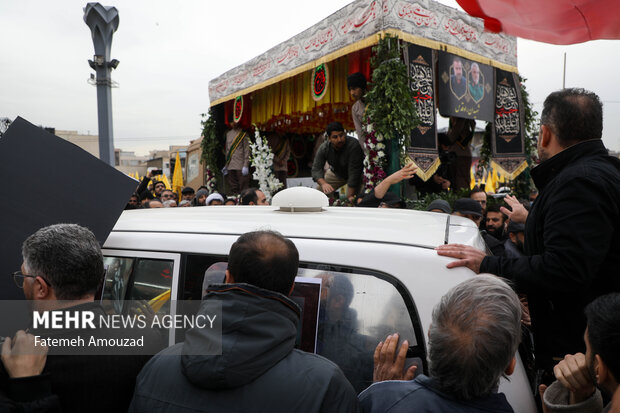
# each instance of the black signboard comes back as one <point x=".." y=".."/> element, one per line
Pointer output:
<point x="48" y="181"/>
<point x="423" y="151"/>
<point x="465" y="88"/>
<point x="508" y="127"/>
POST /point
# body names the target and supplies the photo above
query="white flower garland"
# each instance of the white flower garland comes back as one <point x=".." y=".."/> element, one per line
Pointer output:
<point x="262" y="161"/>
<point x="375" y="158"/>
<point x="211" y="180"/>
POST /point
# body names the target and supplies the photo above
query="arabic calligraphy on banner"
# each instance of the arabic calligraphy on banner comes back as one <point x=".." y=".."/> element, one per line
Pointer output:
<point x="508" y="120"/>
<point x="465" y="88"/>
<point x="507" y="140"/>
<point x="423" y="150"/>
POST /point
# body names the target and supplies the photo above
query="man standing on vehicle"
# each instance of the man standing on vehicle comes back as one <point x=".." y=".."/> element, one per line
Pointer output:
<point x="258" y="368"/>
<point x="345" y="158"/>
<point x="237" y="164"/>
<point x="356" y="83"/>
<point x="572" y="233"/>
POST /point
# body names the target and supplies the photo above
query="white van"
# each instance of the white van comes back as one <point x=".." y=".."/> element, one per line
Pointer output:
<point x="384" y="258"/>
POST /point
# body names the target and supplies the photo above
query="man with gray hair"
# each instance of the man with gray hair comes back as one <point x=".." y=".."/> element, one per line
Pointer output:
<point x="473" y="339"/>
<point x="62" y="269"/>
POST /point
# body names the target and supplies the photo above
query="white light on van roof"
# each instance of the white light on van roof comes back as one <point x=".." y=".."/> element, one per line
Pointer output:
<point x="300" y="199"/>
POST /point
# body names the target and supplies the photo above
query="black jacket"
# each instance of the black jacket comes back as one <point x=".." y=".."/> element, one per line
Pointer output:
<point x="77" y="377"/>
<point x="29" y="395"/>
<point x="257" y="369"/>
<point x="572" y="246"/>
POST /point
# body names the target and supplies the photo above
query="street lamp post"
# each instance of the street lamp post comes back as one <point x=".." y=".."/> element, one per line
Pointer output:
<point x="103" y="22"/>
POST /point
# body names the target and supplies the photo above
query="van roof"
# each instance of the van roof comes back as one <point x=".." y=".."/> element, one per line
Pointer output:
<point x="408" y="227"/>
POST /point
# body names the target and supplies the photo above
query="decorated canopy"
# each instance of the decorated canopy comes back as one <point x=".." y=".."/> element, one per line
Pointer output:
<point x="300" y="85"/>
<point x="355" y="27"/>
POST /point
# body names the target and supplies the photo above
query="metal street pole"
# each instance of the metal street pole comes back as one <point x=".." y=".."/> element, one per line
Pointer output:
<point x="564" y="75"/>
<point x="103" y="22"/>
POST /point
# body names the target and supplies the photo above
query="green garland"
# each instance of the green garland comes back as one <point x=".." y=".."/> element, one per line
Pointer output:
<point x="211" y="147"/>
<point x="390" y="104"/>
<point x="523" y="184"/>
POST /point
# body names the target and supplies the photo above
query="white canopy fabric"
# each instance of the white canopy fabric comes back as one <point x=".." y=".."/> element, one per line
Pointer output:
<point x="357" y="26"/>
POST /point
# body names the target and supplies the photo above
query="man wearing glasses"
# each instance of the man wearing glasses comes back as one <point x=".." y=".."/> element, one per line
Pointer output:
<point x="62" y="269"/>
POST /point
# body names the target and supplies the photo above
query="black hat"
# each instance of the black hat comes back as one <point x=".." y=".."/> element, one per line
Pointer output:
<point x="468" y="206"/>
<point x="357" y="79"/>
<point x="440" y="204"/>
<point x="187" y="190"/>
<point x="515" y="227"/>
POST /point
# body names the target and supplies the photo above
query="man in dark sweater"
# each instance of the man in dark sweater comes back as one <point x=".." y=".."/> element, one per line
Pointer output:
<point x="572" y="233"/>
<point x="345" y="158"/>
<point x="61" y="271"/>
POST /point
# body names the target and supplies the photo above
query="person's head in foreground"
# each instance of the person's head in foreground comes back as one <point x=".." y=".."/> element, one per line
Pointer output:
<point x="61" y="262"/>
<point x="569" y="116"/>
<point x="264" y="259"/>
<point x="474" y="336"/>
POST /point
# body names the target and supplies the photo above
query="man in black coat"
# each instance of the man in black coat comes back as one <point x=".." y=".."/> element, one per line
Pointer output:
<point x="572" y="234"/>
<point x="61" y="272"/>
<point x="257" y="368"/>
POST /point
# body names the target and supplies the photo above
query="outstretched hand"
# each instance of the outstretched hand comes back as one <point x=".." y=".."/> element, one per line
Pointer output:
<point x="517" y="212"/>
<point x="388" y="364"/>
<point x="407" y="172"/>
<point x="469" y="257"/>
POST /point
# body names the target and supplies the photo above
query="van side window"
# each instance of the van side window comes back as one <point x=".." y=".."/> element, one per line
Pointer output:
<point x="118" y="270"/>
<point x="137" y="279"/>
<point x="357" y="311"/>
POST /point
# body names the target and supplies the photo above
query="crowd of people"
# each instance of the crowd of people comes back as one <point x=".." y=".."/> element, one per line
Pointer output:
<point x="550" y="266"/>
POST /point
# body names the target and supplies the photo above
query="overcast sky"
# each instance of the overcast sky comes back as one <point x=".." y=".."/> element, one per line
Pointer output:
<point x="169" y="51"/>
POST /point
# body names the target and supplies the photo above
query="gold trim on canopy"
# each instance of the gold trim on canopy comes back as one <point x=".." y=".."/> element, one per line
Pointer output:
<point x="362" y="44"/>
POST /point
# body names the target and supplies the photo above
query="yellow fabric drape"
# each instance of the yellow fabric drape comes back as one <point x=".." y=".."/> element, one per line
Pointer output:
<point x="291" y="99"/>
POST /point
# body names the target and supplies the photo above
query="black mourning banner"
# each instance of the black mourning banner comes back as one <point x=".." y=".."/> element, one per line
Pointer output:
<point x="423" y="150"/>
<point x="465" y="88"/>
<point x="508" y="154"/>
<point x="50" y="181"/>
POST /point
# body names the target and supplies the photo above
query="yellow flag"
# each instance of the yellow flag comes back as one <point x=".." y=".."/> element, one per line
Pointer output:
<point x="163" y="178"/>
<point x="491" y="184"/>
<point x="472" y="178"/>
<point x="496" y="179"/>
<point x="177" y="176"/>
